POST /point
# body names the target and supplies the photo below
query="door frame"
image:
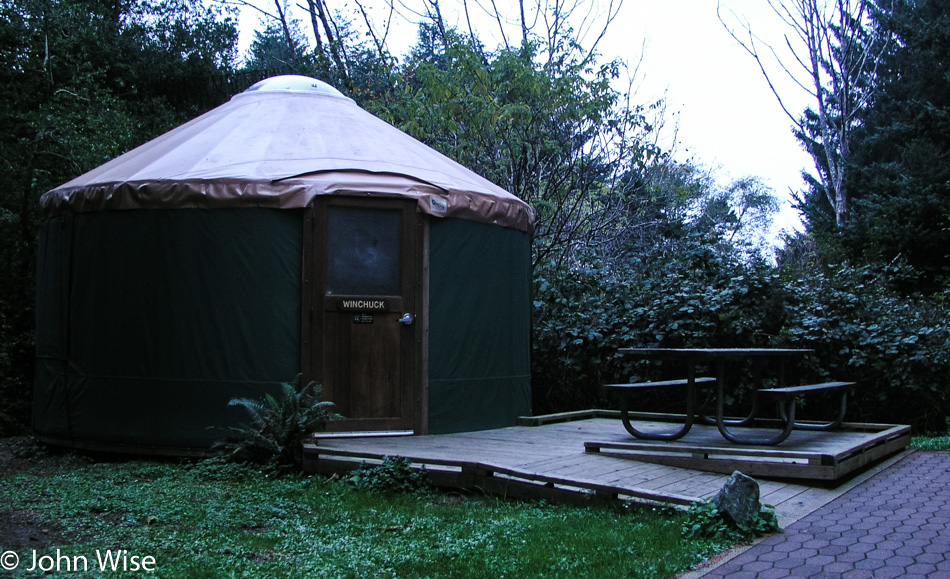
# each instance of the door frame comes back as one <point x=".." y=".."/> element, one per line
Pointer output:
<point x="415" y="246"/>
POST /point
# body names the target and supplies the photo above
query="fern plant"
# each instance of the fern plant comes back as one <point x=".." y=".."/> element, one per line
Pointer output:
<point x="277" y="427"/>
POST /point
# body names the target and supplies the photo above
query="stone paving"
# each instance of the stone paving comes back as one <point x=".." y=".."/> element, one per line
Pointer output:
<point x="895" y="524"/>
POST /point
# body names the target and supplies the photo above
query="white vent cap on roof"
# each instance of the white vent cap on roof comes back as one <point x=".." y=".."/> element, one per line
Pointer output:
<point x="297" y="84"/>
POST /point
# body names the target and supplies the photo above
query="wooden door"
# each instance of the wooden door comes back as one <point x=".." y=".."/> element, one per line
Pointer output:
<point x="366" y="306"/>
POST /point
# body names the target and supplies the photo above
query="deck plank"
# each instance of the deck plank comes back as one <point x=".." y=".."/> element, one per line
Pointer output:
<point x="554" y="454"/>
<point x="702" y="485"/>
<point x="781" y="494"/>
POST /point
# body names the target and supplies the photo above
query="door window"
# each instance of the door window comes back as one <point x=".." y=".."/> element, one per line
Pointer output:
<point x="363" y="251"/>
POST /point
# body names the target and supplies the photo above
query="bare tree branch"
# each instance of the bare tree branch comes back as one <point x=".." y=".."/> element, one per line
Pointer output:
<point x="380" y="47"/>
<point x="468" y="21"/>
<point x="524" y="23"/>
<point x="319" y="13"/>
<point x="248" y="4"/>
<point x="434" y="13"/>
<point x="612" y="12"/>
<point x="501" y="27"/>
<point x="282" y="17"/>
<point x="833" y="50"/>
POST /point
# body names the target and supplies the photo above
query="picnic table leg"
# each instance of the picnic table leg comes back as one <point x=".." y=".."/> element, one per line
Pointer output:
<point x="835" y="423"/>
<point x="767" y="441"/>
<point x="711" y="420"/>
<point x="676" y="435"/>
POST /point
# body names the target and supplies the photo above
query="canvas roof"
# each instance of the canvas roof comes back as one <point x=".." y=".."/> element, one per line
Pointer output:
<point x="279" y="144"/>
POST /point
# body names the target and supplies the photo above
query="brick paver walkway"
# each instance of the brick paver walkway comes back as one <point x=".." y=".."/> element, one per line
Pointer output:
<point x="895" y="524"/>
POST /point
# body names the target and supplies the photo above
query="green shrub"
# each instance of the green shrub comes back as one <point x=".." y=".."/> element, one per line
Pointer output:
<point x="16" y="363"/>
<point x="704" y="521"/>
<point x="896" y="347"/>
<point x="935" y="443"/>
<point x="696" y="296"/>
<point x="394" y="474"/>
<point x="278" y="427"/>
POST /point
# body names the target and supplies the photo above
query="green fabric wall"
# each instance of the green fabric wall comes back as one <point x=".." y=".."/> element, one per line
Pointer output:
<point x="479" y="326"/>
<point x="150" y="321"/>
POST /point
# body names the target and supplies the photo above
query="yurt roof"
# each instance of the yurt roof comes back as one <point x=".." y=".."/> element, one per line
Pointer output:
<point x="279" y="144"/>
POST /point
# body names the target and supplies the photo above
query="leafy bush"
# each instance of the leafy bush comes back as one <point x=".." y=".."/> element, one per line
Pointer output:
<point x="395" y="474"/>
<point x="696" y="296"/>
<point x="703" y="520"/>
<point x="278" y="427"/>
<point x="896" y="347"/>
<point x="941" y="443"/>
<point x="219" y="469"/>
<point x="16" y="357"/>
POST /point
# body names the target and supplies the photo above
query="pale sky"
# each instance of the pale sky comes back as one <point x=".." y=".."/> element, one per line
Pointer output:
<point x="725" y="116"/>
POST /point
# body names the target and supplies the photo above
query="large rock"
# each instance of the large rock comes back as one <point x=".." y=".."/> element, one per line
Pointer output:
<point x="738" y="500"/>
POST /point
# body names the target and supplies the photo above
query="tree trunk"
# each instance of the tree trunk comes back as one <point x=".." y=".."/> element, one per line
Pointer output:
<point x="286" y="28"/>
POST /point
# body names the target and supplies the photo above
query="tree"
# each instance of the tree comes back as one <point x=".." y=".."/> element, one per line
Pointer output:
<point x="269" y="49"/>
<point x="739" y="214"/>
<point x="554" y="133"/>
<point x="82" y="81"/>
<point x="832" y="57"/>
<point x="550" y="25"/>
<point x="901" y="163"/>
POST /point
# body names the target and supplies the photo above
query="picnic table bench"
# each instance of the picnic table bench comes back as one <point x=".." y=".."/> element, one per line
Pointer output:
<point x="784" y="397"/>
<point x="626" y="390"/>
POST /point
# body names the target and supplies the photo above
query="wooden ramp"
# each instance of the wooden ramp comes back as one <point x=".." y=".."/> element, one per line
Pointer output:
<point x="550" y="462"/>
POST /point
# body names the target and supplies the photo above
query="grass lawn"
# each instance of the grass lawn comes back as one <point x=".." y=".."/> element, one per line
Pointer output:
<point x="931" y="442"/>
<point x="214" y="519"/>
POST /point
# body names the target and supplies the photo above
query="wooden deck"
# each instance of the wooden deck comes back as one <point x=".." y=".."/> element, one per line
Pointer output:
<point x="807" y="455"/>
<point x="549" y="461"/>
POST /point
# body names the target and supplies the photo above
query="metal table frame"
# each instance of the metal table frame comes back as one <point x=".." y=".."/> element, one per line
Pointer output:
<point x="691" y="356"/>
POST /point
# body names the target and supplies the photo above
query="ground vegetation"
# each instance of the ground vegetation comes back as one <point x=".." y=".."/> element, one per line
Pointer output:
<point x="213" y="518"/>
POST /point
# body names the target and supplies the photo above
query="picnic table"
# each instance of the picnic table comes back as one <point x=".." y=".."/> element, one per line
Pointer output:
<point x="785" y="397"/>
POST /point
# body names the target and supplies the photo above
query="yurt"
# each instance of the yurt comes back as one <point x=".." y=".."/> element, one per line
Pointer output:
<point x="287" y="231"/>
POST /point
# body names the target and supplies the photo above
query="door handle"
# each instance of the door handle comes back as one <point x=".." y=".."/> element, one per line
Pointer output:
<point x="406" y="319"/>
